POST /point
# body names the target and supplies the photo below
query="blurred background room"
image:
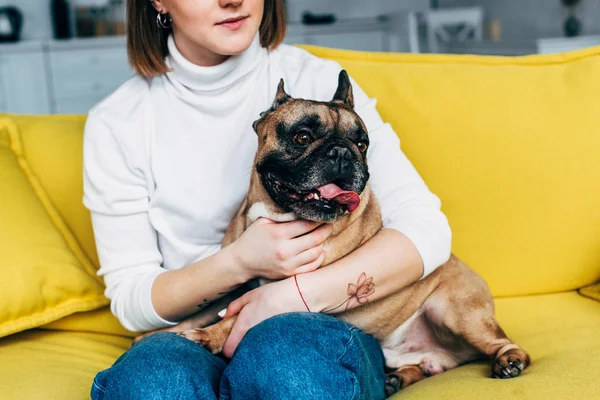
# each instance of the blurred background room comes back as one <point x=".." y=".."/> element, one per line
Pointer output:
<point x="64" y="56"/>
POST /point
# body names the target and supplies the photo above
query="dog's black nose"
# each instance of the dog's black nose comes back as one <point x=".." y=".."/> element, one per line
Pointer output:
<point x="340" y="156"/>
<point x="339" y="152"/>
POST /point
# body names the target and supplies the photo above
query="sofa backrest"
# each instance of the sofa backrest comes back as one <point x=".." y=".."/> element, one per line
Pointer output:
<point x="510" y="145"/>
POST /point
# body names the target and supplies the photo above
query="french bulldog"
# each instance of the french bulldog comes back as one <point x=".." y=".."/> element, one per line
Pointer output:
<point x="311" y="163"/>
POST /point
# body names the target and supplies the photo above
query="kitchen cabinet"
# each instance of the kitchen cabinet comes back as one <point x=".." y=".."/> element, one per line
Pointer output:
<point x="83" y="72"/>
<point x="61" y="77"/>
<point x="23" y="84"/>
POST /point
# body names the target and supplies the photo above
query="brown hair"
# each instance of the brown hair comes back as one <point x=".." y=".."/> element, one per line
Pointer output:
<point x="147" y="43"/>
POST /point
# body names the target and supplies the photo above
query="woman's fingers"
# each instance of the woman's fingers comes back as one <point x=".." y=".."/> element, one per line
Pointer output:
<point x="236" y="306"/>
<point x="308" y="256"/>
<point x="311" y="266"/>
<point x="312" y="239"/>
<point x="240" y="327"/>
<point x="298" y="228"/>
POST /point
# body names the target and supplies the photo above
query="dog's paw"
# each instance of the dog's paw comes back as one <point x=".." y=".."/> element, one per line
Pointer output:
<point x="204" y="338"/>
<point x="393" y="384"/>
<point x="509" y="365"/>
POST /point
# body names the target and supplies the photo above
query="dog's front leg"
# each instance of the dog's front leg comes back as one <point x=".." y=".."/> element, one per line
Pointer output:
<point x="212" y="338"/>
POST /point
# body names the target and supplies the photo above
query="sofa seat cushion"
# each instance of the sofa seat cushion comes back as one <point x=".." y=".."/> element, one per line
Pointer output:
<point x="95" y="321"/>
<point x="41" y="364"/>
<point x="560" y="332"/>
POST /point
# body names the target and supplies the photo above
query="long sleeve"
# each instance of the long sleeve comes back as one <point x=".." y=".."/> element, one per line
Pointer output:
<point x="115" y="191"/>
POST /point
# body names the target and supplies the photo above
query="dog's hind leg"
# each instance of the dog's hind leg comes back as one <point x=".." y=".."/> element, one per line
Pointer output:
<point x="465" y="314"/>
<point x="394" y="381"/>
<point x="415" y="366"/>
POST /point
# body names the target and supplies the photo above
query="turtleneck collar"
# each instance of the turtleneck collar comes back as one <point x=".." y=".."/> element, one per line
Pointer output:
<point x="218" y="77"/>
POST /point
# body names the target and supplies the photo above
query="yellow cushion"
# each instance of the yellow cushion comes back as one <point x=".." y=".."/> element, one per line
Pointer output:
<point x="45" y="275"/>
<point x="53" y="147"/>
<point x="511" y="147"/>
<point x="560" y="331"/>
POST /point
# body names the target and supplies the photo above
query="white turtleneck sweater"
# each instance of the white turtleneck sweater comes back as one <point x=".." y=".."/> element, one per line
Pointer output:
<point x="167" y="164"/>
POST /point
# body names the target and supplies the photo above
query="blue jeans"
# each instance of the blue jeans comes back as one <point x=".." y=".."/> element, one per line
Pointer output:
<point x="290" y="356"/>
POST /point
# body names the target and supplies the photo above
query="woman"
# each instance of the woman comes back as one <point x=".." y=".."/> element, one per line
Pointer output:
<point x="166" y="166"/>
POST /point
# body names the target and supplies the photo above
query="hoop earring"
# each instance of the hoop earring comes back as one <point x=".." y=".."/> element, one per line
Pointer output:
<point x="164" y="23"/>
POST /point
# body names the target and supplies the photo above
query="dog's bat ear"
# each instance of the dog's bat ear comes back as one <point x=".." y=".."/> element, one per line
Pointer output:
<point x="281" y="96"/>
<point x="343" y="93"/>
<point x="255" y="124"/>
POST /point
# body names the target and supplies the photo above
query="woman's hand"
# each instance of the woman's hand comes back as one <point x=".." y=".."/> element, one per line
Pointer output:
<point x="275" y="250"/>
<point x="258" y="305"/>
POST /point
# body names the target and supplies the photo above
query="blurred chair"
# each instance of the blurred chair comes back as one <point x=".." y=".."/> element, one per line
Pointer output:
<point x="460" y="24"/>
<point x="563" y="44"/>
<point x="413" y="32"/>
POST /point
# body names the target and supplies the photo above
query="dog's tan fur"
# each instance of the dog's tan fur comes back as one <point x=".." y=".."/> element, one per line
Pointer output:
<point x="435" y="324"/>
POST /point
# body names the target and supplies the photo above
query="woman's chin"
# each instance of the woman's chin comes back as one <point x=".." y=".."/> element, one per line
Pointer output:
<point x="234" y="48"/>
<point x="234" y="43"/>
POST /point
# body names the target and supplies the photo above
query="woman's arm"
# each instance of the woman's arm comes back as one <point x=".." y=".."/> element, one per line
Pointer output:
<point x="266" y="249"/>
<point x="116" y="193"/>
<point x="382" y="266"/>
<point x="180" y="293"/>
<point x="389" y="262"/>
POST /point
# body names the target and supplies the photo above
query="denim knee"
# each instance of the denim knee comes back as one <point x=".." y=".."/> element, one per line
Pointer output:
<point x="305" y="356"/>
<point x="161" y="366"/>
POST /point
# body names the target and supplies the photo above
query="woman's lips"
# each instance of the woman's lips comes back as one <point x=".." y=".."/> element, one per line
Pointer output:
<point x="232" y="23"/>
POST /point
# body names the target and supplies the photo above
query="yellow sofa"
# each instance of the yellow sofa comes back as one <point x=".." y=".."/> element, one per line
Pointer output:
<point x="510" y="145"/>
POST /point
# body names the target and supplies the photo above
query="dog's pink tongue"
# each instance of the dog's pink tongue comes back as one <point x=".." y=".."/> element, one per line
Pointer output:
<point x="335" y="193"/>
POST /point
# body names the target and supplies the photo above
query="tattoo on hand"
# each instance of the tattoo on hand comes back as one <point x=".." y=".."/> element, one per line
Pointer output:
<point x="358" y="293"/>
<point x="206" y="302"/>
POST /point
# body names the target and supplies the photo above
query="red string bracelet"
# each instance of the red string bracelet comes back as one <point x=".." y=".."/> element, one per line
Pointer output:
<point x="302" y="297"/>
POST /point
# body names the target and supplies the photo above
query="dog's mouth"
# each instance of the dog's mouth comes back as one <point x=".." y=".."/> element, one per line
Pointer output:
<point x="329" y="197"/>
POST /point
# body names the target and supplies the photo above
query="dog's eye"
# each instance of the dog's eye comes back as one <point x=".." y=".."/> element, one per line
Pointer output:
<point x="302" y="138"/>
<point x="362" y="146"/>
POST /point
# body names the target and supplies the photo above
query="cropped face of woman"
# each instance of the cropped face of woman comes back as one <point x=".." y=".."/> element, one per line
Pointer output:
<point x="208" y="31"/>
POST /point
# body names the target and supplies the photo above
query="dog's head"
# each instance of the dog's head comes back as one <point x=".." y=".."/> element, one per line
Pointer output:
<point x="311" y="155"/>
